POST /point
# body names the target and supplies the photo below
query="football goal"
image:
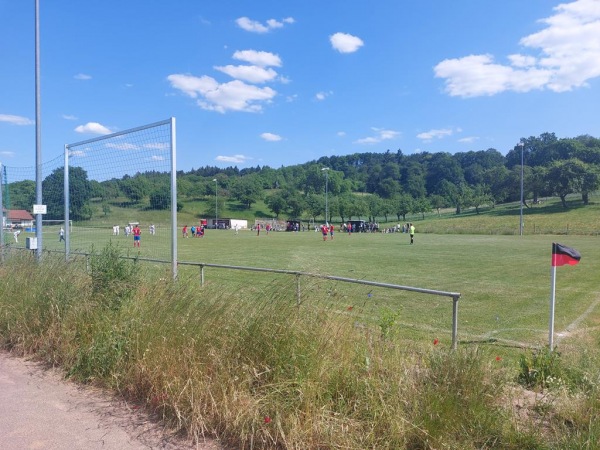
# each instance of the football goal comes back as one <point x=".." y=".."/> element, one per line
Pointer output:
<point x="114" y="182"/>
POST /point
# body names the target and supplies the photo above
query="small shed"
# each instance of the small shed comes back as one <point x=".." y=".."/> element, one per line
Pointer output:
<point x="18" y="218"/>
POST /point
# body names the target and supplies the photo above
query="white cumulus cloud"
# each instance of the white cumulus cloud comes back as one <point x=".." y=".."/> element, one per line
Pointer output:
<point x="92" y="128"/>
<point x="82" y="76"/>
<point x="565" y="55"/>
<point x="380" y="135"/>
<point x="15" y="120"/>
<point x="435" y="134"/>
<point x="237" y="159"/>
<point x="345" y="43"/>
<point x="237" y="95"/>
<point x="252" y="74"/>
<point x="122" y="146"/>
<point x="258" y="58"/>
<point x="255" y="26"/>
<point x="270" y="137"/>
<point x="320" y="96"/>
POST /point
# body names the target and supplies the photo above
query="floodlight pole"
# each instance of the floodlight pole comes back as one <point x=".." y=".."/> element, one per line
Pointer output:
<point x="326" y="170"/>
<point x="216" y="202"/>
<point x="38" y="134"/>
<point x="522" y="145"/>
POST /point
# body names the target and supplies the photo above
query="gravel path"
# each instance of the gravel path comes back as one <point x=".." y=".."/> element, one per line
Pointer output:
<point x="40" y="410"/>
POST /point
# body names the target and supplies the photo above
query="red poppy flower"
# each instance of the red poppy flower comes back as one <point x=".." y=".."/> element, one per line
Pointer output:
<point x="267" y="419"/>
<point x="498" y="358"/>
<point x="436" y="341"/>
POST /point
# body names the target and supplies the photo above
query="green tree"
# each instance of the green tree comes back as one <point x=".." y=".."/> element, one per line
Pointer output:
<point x="79" y="194"/>
<point x="19" y="195"/>
<point x="437" y="202"/>
<point x="160" y="199"/>
<point x="591" y="182"/>
<point x="345" y="206"/>
<point x="413" y="179"/>
<point x="185" y="188"/>
<point x="375" y="207"/>
<point x="135" y="188"/>
<point x="387" y="208"/>
<point x="276" y="203"/>
<point x="110" y="189"/>
<point x="537" y="181"/>
<point x="403" y="204"/>
<point x="247" y="190"/>
<point x="358" y="207"/>
<point x="566" y="177"/>
<point x="460" y="196"/>
<point x="481" y="196"/>
<point x="295" y="204"/>
<point x="421" y="206"/>
<point x="315" y="206"/>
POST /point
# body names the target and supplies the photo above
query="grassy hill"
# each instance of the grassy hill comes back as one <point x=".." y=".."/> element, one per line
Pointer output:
<point x="548" y="217"/>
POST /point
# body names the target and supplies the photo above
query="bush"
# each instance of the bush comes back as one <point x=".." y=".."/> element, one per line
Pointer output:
<point x="540" y="369"/>
<point x="114" y="279"/>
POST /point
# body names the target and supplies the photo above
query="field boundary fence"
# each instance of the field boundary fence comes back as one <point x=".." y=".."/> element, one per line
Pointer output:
<point x="455" y="296"/>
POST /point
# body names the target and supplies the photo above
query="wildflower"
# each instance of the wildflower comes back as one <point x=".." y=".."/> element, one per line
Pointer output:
<point x="267" y="419"/>
<point x="350" y="308"/>
<point x="436" y="341"/>
<point x="498" y="358"/>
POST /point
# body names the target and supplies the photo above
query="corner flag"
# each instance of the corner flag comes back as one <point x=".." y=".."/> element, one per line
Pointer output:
<point x="561" y="255"/>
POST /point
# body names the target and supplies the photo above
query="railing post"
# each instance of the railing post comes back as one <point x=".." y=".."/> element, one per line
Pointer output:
<point x="298" y="289"/>
<point x="201" y="275"/>
<point x="454" y="322"/>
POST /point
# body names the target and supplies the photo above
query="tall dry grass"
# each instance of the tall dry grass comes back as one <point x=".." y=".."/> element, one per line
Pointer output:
<point x="255" y="369"/>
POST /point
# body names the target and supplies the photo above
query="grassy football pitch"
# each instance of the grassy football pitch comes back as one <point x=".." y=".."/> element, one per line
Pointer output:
<point x="504" y="280"/>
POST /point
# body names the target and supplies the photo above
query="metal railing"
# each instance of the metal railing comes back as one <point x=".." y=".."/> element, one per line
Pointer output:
<point x="454" y="295"/>
<point x="298" y="274"/>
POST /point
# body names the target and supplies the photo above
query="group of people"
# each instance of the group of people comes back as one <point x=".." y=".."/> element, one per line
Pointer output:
<point x="259" y="227"/>
<point x="327" y="229"/>
<point x="196" y="231"/>
<point x="135" y="230"/>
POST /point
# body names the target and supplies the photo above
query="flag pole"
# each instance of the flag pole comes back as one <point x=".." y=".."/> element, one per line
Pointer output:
<point x="561" y="255"/>
<point x="552" y="303"/>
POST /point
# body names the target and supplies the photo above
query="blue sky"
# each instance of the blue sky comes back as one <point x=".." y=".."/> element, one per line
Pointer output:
<point x="280" y="83"/>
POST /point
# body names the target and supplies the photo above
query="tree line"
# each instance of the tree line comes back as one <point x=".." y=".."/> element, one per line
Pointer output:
<point x="360" y="185"/>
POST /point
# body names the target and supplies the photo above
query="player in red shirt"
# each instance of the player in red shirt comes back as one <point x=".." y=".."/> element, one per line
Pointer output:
<point x="137" y="236"/>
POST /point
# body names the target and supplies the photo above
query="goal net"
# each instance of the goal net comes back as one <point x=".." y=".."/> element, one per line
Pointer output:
<point x="18" y="195"/>
<point x="115" y="183"/>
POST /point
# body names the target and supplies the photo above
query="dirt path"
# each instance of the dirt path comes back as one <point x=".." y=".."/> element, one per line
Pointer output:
<point x="40" y="410"/>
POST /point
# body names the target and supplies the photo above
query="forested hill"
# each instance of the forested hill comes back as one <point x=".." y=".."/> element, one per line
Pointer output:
<point x="422" y="181"/>
<point x="357" y="185"/>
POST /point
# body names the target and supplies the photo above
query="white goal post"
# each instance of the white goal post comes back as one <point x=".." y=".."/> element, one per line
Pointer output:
<point x="126" y="170"/>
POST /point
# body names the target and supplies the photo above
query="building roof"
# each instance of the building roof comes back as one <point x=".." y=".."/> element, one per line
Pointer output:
<point x="18" y="214"/>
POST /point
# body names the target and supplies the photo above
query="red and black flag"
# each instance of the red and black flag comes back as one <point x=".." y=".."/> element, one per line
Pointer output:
<point x="561" y="255"/>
